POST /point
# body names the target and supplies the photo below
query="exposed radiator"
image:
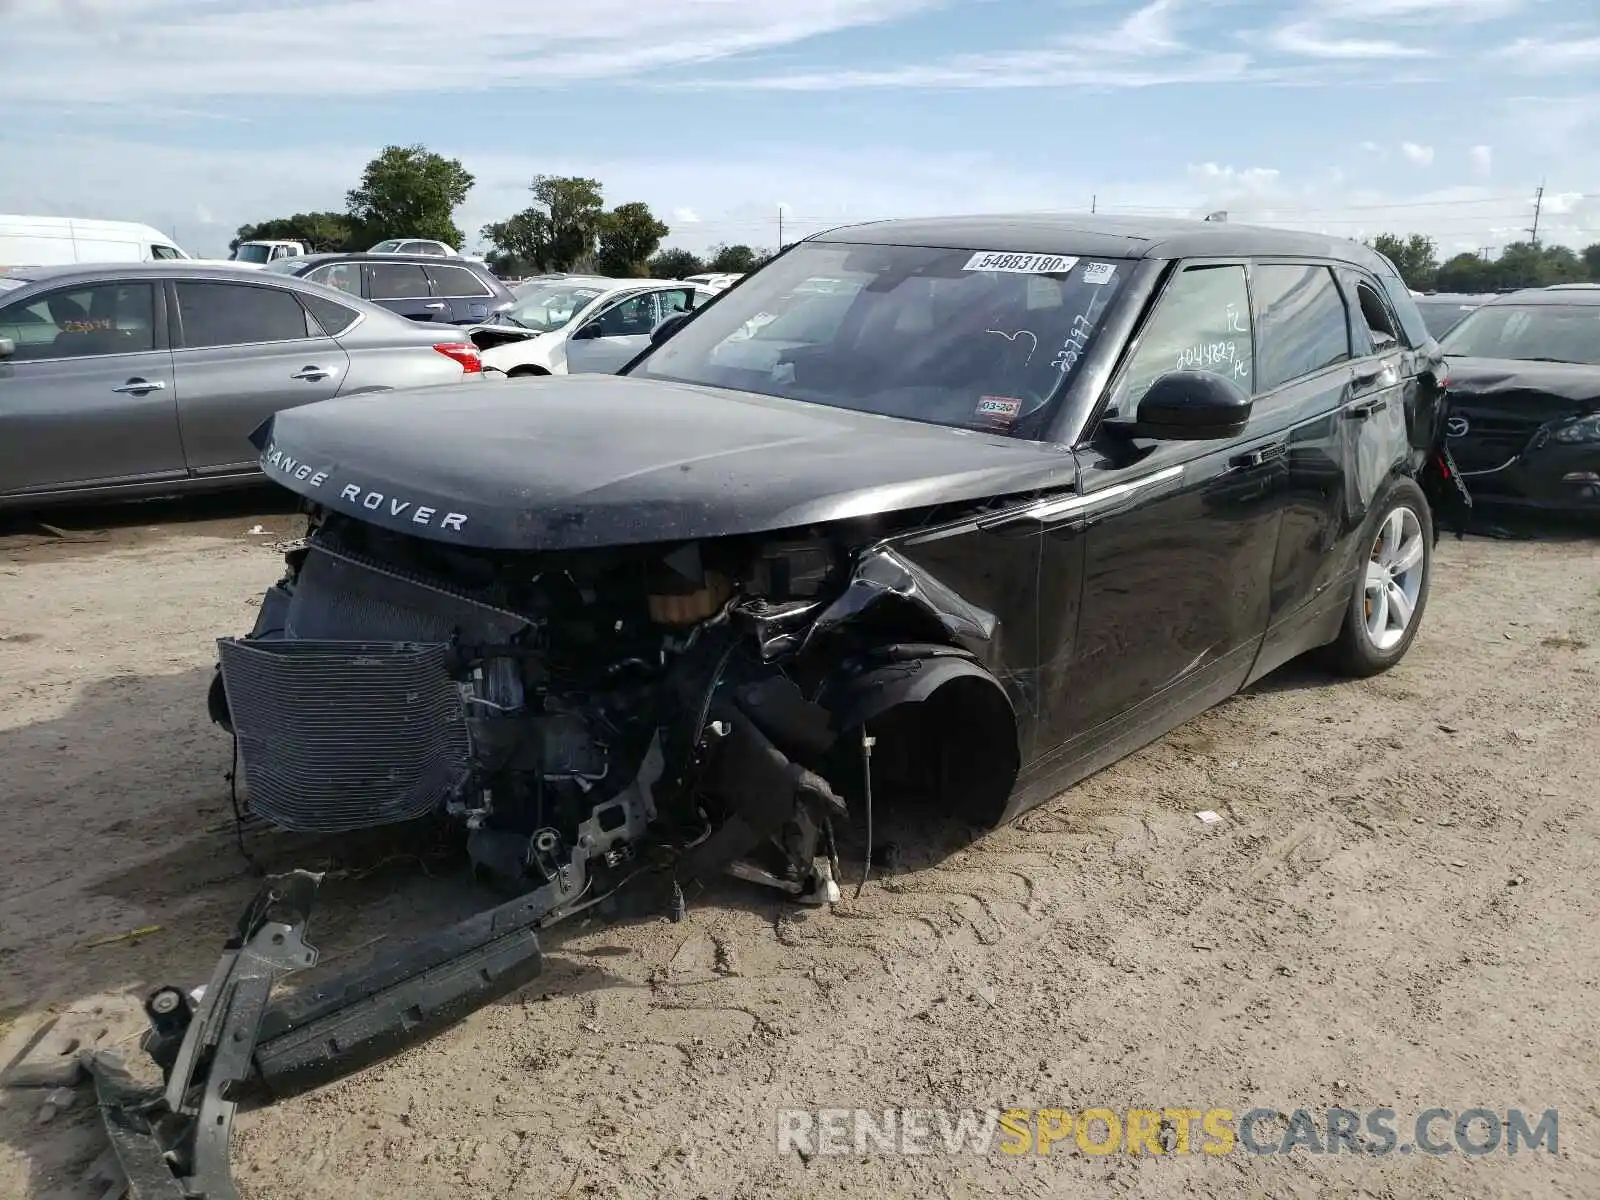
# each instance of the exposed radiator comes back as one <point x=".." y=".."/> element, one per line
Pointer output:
<point x="340" y="735"/>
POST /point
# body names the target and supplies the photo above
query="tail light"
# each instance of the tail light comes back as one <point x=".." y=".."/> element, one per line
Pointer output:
<point x="464" y="353"/>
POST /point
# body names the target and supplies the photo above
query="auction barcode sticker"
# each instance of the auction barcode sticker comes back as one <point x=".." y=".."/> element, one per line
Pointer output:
<point x="1019" y="264"/>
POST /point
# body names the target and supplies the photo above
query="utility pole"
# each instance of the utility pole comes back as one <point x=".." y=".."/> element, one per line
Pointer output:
<point x="1094" y="199"/>
<point x="780" y="228"/>
<point x="1538" y="204"/>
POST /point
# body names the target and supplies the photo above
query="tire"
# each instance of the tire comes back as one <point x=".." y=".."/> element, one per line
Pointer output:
<point x="1372" y="640"/>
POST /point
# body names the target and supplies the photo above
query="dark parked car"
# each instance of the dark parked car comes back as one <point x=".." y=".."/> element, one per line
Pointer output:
<point x="139" y="379"/>
<point x="1032" y="492"/>
<point x="1524" y="398"/>
<point x="1036" y="490"/>
<point x="421" y="287"/>
<point x="1442" y="311"/>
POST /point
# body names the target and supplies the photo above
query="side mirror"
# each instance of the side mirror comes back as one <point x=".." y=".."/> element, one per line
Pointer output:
<point x="7" y="347"/>
<point x="1189" y="406"/>
<point x="587" y="333"/>
<point x="668" y="327"/>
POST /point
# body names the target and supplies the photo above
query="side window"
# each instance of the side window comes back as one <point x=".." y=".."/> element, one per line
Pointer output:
<point x="398" y="281"/>
<point x="456" y="281"/>
<point x="164" y="252"/>
<point x="1301" y="321"/>
<point x="1402" y="304"/>
<point x="333" y="317"/>
<point x="344" y="276"/>
<point x="673" y="300"/>
<point x="108" y="318"/>
<point x="1372" y="311"/>
<point x="627" y="317"/>
<point x="237" y="314"/>
<point x="1201" y="323"/>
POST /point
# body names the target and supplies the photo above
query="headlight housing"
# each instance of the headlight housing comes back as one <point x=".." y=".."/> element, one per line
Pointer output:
<point x="1584" y="429"/>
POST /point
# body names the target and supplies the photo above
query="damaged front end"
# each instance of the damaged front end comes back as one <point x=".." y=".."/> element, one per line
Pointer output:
<point x="578" y="713"/>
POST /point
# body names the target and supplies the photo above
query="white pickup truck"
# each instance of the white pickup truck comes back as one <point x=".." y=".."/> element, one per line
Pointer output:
<point x="260" y="253"/>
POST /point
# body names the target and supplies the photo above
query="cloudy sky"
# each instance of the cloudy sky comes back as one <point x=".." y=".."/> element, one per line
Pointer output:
<point x="1355" y="117"/>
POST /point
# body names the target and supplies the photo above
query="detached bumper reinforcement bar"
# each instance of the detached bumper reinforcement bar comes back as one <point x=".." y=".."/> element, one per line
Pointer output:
<point x="172" y="1142"/>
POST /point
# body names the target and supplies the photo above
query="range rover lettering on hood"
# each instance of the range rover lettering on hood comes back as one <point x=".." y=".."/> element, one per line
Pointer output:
<point x="372" y="500"/>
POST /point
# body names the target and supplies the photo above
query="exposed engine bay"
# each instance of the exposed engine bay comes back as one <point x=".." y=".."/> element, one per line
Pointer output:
<point x="581" y="713"/>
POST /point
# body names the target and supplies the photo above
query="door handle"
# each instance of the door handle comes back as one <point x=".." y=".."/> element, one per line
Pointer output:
<point x="1360" y="412"/>
<point x="311" y="373"/>
<point x="1259" y="456"/>
<point x="437" y="306"/>
<point x="139" y="387"/>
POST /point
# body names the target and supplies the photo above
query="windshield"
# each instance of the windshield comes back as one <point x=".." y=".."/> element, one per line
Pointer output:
<point x="388" y="247"/>
<point x="549" y="306"/>
<point x="975" y="338"/>
<point x="252" y="253"/>
<point x="1530" y="332"/>
<point x="289" y="266"/>
<point x="1442" y="316"/>
<point x="14" y="281"/>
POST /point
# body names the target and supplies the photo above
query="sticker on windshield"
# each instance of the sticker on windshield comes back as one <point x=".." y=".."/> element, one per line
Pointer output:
<point x="1098" y="273"/>
<point x="999" y="408"/>
<point x="1019" y="264"/>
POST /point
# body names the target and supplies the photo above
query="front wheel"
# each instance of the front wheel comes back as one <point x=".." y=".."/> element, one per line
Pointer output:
<point x="1391" y="592"/>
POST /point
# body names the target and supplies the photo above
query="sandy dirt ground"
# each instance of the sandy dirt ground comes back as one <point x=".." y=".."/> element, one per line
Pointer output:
<point x="1398" y="908"/>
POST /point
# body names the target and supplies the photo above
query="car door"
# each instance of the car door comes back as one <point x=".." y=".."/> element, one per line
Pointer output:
<point x="88" y="395"/>
<point x="468" y="296"/>
<point x="1304" y="383"/>
<point x="404" y="288"/>
<point x="1175" y="540"/>
<point x="243" y="351"/>
<point x="615" y="334"/>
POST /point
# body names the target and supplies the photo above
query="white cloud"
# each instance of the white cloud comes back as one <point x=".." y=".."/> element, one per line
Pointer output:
<point x="1144" y="49"/>
<point x="1417" y="156"/>
<point x="1310" y="39"/>
<point x="87" y="49"/>
<point x="1540" y="55"/>
<point x="1221" y="183"/>
<point x="685" y="216"/>
<point x="1482" y="158"/>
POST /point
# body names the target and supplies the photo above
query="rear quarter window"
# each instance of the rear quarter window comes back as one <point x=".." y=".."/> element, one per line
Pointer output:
<point x="1413" y="328"/>
<point x="333" y="317"/>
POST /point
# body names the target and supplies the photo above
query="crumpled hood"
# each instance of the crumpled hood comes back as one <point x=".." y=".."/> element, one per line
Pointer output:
<point x="1499" y="410"/>
<point x="1471" y="378"/>
<point x="600" y="460"/>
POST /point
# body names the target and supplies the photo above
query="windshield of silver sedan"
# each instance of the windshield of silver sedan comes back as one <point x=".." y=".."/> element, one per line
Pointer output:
<point x="979" y="338"/>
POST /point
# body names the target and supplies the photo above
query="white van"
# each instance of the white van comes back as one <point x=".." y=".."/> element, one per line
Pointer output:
<point x="54" y="241"/>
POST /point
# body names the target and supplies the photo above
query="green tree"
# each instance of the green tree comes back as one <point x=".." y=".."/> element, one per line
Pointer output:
<point x="409" y="191"/>
<point x="516" y="242"/>
<point x="558" y="231"/>
<point x="740" y="260"/>
<point x="319" y="230"/>
<point x="629" y="235"/>
<point x="1415" y="257"/>
<point x="1591" y="261"/>
<point x="1464" y="273"/>
<point x="676" y="264"/>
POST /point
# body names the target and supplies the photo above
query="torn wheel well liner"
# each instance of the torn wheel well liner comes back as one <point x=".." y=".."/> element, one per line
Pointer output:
<point x="943" y="726"/>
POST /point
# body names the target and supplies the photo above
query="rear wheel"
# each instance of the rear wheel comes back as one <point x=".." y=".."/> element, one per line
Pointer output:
<point x="1388" y="598"/>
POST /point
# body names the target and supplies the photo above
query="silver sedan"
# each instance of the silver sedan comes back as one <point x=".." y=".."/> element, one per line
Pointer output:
<point x="146" y="379"/>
